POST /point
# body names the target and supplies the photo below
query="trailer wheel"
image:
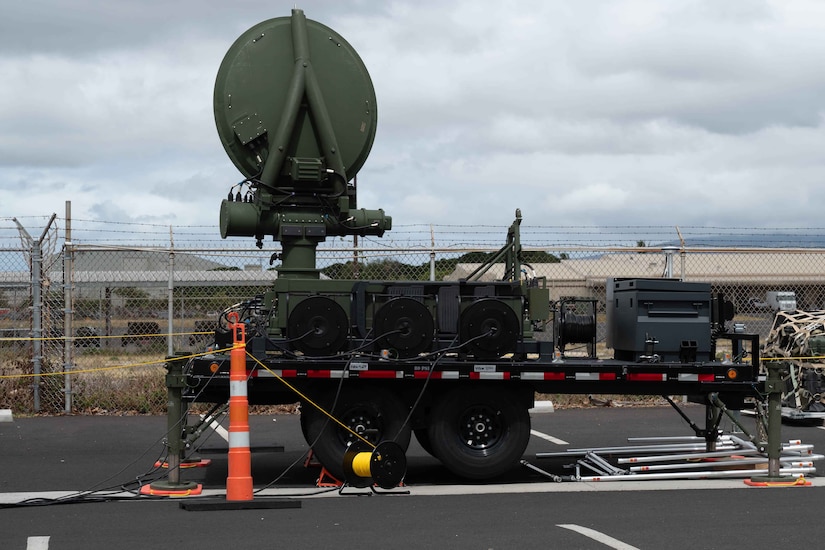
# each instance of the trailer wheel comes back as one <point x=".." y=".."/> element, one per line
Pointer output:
<point x="422" y="435"/>
<point x="479" y="433"/>
<point x="375" y="414"/>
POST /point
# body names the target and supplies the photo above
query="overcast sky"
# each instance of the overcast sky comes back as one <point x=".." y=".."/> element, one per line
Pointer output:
<point x="593" y="112"/>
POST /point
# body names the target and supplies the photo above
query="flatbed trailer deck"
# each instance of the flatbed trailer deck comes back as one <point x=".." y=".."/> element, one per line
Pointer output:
<point x="472" y="415"/>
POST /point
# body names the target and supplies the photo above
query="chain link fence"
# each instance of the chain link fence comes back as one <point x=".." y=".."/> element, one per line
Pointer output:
<point x="88" y="315"/>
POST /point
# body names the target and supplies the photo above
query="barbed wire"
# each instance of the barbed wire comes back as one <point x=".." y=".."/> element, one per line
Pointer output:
<point x="157" y="235"/>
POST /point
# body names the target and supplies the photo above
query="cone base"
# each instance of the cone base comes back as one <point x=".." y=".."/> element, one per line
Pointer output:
<point x="767" y="481"/>
<point x="166" y="489"/>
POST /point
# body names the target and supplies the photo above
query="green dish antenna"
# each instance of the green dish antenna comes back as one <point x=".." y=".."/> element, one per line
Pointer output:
<point x="296" y="112"/>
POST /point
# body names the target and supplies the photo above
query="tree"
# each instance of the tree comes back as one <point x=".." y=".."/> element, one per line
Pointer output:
<point x="131" y="293"/>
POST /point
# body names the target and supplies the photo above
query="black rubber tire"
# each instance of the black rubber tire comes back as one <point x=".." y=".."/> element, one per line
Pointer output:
<point x="423" y="438"/>
<point x="479" y="433"/>
<point x="377" y="413"/>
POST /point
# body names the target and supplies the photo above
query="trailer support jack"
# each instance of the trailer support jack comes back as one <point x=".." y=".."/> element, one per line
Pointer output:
<point x="176" y="420"/>
<point x="773" y="387"/>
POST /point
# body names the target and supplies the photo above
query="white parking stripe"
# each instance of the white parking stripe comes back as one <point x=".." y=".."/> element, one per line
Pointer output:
<point x="491" y="489"/>
<point x="597" y="536"/>
<point x="37" y="543"/>
<point x="549" y="438"/>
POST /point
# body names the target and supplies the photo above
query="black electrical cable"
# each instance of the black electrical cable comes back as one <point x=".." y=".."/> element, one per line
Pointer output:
<point x="215" y="418"/>
<point x="365" y="344"/>
<point x="345" y="354"/>
<point x="423" y="389"/>
<point x="93" y="494"/>
<point x="177" y="425"/>
<point x="96" y="493"/>
<point x="320" y="432"/>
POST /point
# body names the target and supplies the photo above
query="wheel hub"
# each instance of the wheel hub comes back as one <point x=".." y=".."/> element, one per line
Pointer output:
<point x="480" y="428"/>
<point x="363" y="423"/>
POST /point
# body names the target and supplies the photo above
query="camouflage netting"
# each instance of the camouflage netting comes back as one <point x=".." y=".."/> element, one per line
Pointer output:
<point x="799" y="338"/>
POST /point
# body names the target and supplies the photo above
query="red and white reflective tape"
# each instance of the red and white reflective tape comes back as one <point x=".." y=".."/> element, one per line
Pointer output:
<point x="437" y="375"/>
<point x="647" y="377"/>
<point x="381" y="374"/>
<point x="489" y="376"/>
<point x="542" y="376"/>
<point x="695" y="377"/>
<point x="595" y="376"/>
<point x="482" y="372"/>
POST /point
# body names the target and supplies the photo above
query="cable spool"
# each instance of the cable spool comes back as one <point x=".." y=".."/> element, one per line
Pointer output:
<point x="385" y="466"/>
<point x="576" y="329"/>
<point x="405" y="325"/>
<point x="489" y="328"/>
<point x="318" y="325"/>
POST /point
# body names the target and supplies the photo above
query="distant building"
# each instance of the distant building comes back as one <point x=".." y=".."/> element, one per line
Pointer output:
<point x="744" y="276"/>
<point x="97" y="272"/>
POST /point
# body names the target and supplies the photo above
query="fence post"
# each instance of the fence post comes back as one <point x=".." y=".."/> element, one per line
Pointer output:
<point x="68" y="312"/>
<point x="37" y="321"/>
<point x="36" y="257"/>
<point x="356" y="267"/>
<point x="170" y="305"/>
<point x="432" y="254"/>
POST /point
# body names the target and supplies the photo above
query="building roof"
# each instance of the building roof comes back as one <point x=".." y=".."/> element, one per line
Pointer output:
<point x="739" y="267"/>
<point x="9" y="279"/>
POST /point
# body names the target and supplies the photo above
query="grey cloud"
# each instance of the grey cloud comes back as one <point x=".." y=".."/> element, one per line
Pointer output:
<point x="688" y="112"/>
<point x="85" y="27"/>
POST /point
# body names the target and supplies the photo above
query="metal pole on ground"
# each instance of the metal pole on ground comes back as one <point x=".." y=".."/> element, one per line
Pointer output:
<point x="175" y="424"/>
<point x="773" y="387"/>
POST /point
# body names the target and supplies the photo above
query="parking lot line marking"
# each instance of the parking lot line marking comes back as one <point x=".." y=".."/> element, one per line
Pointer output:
<point x="37" y="543"/>
<point x="598" y="536"/>
<point x="549" y="438"/>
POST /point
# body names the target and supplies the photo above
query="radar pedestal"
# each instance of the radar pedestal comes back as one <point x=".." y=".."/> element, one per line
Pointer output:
<point x="296" y="112"/>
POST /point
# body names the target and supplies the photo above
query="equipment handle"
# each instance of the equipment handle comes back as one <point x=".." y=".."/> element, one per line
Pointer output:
<point x="238" y="328"/>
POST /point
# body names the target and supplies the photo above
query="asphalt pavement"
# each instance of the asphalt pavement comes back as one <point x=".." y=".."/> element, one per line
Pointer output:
<point x="76" y="474"/>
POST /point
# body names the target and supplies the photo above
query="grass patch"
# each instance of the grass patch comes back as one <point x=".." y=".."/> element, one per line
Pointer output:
<point x="137" y="391"/>
<point x="576" y="401"/>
